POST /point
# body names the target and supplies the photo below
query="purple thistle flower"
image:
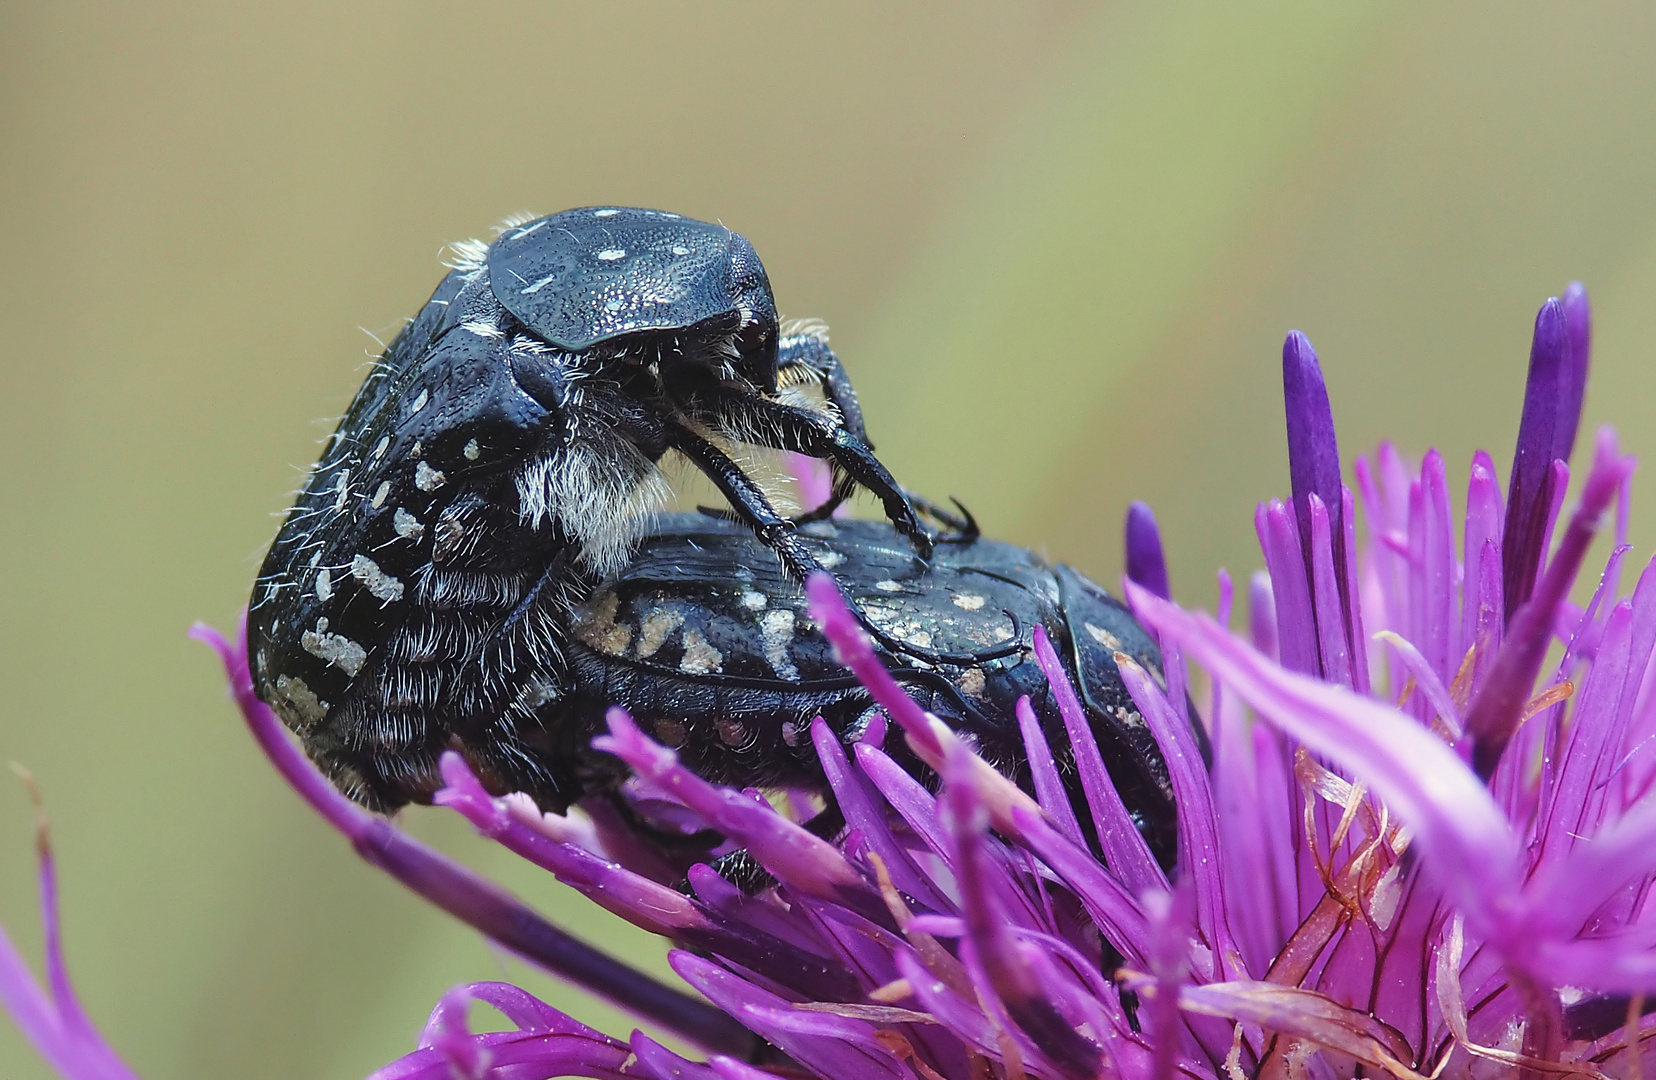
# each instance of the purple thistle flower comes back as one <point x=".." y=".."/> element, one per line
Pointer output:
<point x="1416" y="852"/>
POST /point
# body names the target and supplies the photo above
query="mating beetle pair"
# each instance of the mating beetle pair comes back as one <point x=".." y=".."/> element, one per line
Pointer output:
<point x="434" y="586"/>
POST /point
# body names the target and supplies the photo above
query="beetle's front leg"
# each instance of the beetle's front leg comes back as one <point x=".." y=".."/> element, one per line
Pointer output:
<point x="787" y="427"/>
<point x="747" y="499"/>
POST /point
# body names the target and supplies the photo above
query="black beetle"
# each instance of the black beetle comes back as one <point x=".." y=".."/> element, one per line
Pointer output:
<point x="501" y="456"/>
<point x="710" y="647"/>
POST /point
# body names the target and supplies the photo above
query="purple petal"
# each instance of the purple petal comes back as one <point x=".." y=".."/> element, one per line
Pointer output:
<point x="857" y="802"/>
<point x="806" y="862"/>
<point x="1125" y="851"/>
<point x="1583" y="753"/>
<point x="464" y="894"/>
<point x="1572" y="383"/>
<point x="1296" y="628"/>
<point x="1494" y="713"/>
<point x="526" y="1011"/>
<point x="1049" y="786"/>
<point x="966" y="1019"/>
<point x="517" y="1056"/>
<point x="1333" y="648"/>
<point x="828" y="1044"/>
<point x="449" y="1034"/>
<point x="1351" y="584"/>
<point x="1262" y="620"/>
<point x="1199" y="863"/>
<point x="1426" y="680"/>
<point x="1009" y="975"/>
<point x="1307" y="1015"/>
<point x="1145" y="562"/>
<point x="1115" y="910"/>
<point x="639" y="900"/>
<point x="1169" y="917"/>
<point x="1529" y="491"/>
<point x="1568" y="889"/>
<point x="1434" y="614"/>
<point x="54" y="1023"/>
<point x="812" y="478"/>
<point x="1313" y="451"/>
<point x="1483" y="527"/>
<point x="660" y="1063"/>
<point x="730" y="1069"/>
<point x="1250" y="840"/>
<point x="1459" y="828"/>
<point x="903" y="793"/>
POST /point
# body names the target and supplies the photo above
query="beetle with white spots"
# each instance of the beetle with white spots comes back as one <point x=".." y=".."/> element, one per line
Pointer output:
<point x="733" y="665"/>
<point x="501" y="458"/>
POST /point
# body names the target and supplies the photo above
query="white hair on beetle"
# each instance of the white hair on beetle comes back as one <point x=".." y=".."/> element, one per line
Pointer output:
<point x="466" y="256"/>
<point x="802" y="328"/>
<point x="516" y="218"/>
<point x="601" y="490"/>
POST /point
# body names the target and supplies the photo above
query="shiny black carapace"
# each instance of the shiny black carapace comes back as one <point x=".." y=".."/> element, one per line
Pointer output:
<point x="501" y="458"/>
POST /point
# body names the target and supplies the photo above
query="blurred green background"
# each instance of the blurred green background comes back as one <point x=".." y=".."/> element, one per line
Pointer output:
<point x="1058" y="244"/>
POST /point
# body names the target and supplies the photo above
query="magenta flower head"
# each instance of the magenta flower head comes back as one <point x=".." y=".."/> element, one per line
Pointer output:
<point x="1411" y="846"/>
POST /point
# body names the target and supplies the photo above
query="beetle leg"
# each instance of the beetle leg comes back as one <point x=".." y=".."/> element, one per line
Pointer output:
<point x="747" y="499"/>
<point x="964" y="527"/>
<point x="812" y="353"/>
<point x="786" y="427"/>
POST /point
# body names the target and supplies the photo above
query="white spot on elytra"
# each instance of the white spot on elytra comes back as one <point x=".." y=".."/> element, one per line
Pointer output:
<point x="595" y="624"/>
<point x="406" y="525"/>
<point x="298" y="704"/>
<point x="967" y="601"/>
<point x="419" y="402"/>
<point x="654" y="630"/>
<point x="342" y="489"/>
<point x="605" y="213"/>
<point x="379" y="447"/>
<point x="612" y="305"/>
<point x="680" y="249"/>
<point x="472" y="451"/>
<point x="381" y="493"/>
<point x="336" y="649"/>
<point x="539" y="285"/>
<point x="830" y="558"/>
<point x="754" y="601"/>
<point x="381" y="585"/>
<point x="426" y="478"/>
<point x="1103" y="637"/>
<point x="888" y="586"/>
<point x="324" y="585"/>
<point x="776" y="631"/>
<point x="612" y="254"/>
<point x="700" y="658"/>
